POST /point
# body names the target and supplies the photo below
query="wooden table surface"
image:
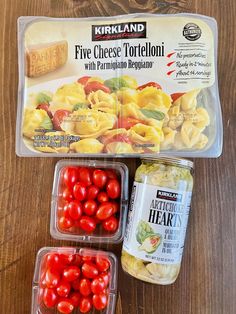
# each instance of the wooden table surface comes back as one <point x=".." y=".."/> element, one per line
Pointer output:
<point x="207" y="282"/>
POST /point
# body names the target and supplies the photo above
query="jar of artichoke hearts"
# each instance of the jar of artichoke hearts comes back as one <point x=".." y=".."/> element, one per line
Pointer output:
<point x="157" y="220"/>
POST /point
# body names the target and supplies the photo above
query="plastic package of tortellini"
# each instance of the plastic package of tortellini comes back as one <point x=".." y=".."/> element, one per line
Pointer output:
<point x="132" y="85"/>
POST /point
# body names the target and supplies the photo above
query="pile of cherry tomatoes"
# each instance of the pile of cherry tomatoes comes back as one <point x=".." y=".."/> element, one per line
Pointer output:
<point x="91" y="197"/>
<point x="70" y="281"/>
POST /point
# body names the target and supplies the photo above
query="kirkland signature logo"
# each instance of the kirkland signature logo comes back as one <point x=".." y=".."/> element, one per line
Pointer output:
<point x="119" y="31"/>
<point x="170" y="196"/>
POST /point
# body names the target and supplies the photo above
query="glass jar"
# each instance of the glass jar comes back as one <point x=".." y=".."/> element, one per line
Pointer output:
<point x="157" y="220"/>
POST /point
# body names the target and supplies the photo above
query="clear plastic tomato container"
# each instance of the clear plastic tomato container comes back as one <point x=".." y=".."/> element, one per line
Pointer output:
<point x="75" y="233"/>
<point x="38" y="305"/>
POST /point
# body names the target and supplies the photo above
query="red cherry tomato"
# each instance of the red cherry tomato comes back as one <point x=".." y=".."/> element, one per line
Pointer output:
<point x="65" y="307"/>
<point x="79" y="191"/>
<point x="71" y="273"/>
<point x="105" y="210"/>
<point x="42" y="282"/>
<point x="127" y="123"/>
<point x="116" y="207"/>
<point x="90" y="207"/>
<point x="113" y="188"/>
<point x="66" y="211"/>
<point x="102" y="263"/>
<point x="52" y="278"/>
<point x="75" y="298"/>
<point x="63" y="288"/>
<point x="87" y="223"/>
<point x="100" y="301"/>
<point x="98" y="285"/>
<point x="85" y="287"/>
<point x="67" y="194"/>
<point x="89" y="270"/>
<point x="50" y="297"/>
<point x="111" y="174"/>
<point x="85" y="176"/>
<point x="153" y="84"/>
<point x="70" y="176"/>
<point x="45" y="107"/>
<point x="83" y="80"/>
<point x="75" y="210"/>
<point x="175" y="96"/>
<point x="102" y="197"/>
<point x="53" y="261"/>
<point x="58" y="117"/>
<point x="40" y="296"/>
<point x="92" y="192"/>
<point x="105" y="278"/>
<point x="65" y="223"/>
<point x="94" y="86"/>
<point x="67" y="259"/>
<point x="110" y="224"/>
<point x="85" y="304"/>
<point x="88" y="258"/>
<point x="99" y="178"/>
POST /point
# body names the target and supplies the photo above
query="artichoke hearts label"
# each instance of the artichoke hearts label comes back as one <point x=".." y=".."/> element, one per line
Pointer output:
<point x="157" y="223"/>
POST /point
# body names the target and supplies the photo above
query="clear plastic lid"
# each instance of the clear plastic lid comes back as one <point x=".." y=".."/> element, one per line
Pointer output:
<point x="75" y="232"/>
<point x="38" y="305"/>
<point x="118" y="87"/>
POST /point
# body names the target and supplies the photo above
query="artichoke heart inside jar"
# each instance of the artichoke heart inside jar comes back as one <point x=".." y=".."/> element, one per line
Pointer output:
<point x="157" y="220"/>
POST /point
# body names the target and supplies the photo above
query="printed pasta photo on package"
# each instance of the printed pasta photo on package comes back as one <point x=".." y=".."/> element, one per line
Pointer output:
<point x="132" y="85"/>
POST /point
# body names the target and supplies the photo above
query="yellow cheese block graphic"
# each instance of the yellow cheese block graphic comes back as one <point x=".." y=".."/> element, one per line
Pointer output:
<point x="45" y="58"/>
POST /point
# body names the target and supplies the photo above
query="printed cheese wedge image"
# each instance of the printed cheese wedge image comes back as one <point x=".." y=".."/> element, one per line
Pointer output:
<point x="45" y="58"/>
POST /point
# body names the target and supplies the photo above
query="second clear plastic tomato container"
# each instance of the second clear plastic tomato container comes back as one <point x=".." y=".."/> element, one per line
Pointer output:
<point x="39" y="287"/>
<point x="75" y="233"/>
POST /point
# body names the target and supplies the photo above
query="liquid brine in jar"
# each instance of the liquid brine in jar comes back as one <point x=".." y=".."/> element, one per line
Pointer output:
<point x="157" y="220"/>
